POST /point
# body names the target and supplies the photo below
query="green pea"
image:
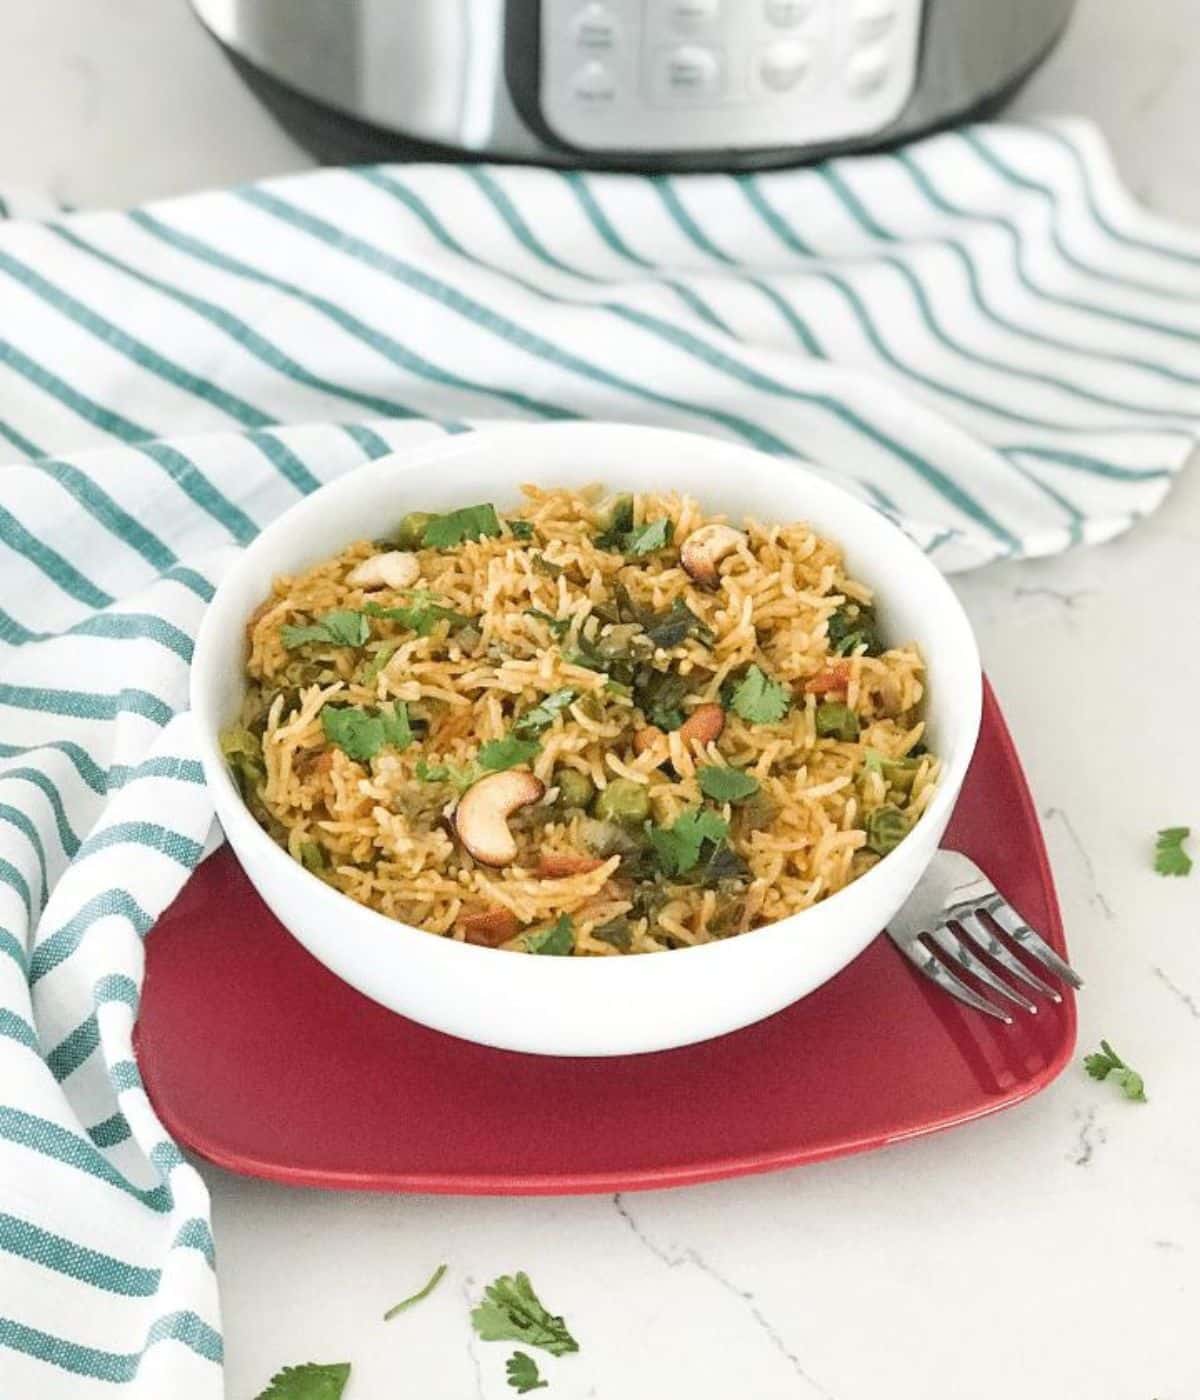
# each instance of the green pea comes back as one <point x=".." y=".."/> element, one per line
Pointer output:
<point x="887" y="826"/>
<point x="836" y="721"/>
<point x="900" y="773"/>
<point x="312" y="857"/>
<point x="410" y="533"/>
<point x="623" y="801"/>
<point x="575" y="789"/>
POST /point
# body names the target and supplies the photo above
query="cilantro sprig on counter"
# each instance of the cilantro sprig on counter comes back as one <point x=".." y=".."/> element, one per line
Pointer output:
<point x="1107" y="1064"/>
<point x="512" y="1312"/>
<point x="522" y="1372"/>
<point x="422" y="1293"/>
<point x="1170" y="858"/>
<point x="312" y="1381"/>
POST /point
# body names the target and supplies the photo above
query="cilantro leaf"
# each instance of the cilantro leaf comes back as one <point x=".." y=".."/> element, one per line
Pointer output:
<point x="512" y="1312"/>
<point x="557" y="625"/>
<point x="655" y="534"/>
<point x="343" y="628"/>
<point x="421" y="615"/>
<point x="542" y="716"/>
<point x="618" y="525"/>
<point x="726" y="784"/>
<point x="760" y="700"/>
<point x="723" y="864"/>
<point x="1107" y="1064"/>
<point x="461" y="778"/>
<point x="1169" y="856"/>
<point x="521" y="529"/>
<point x="361" y="735"/>
<point x="498" y="754"/>
<point x="309" y="1382"/>
<point x="558" y="940"/>
<point x="421" y="1293"/>
<point x="469" y="523"/>
<point x="678" y="847"/>
<point x="370" y="672"/>
<point x="851" y="626"/>
<point x="522" y="1373"/>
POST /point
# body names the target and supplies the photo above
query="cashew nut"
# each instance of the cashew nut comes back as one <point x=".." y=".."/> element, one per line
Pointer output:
<point x="704" y="549"/>
<point x="395" y="569"/>
<point x="482" y="817"/>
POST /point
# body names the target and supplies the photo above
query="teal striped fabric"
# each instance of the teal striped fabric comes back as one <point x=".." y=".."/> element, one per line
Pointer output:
<point x="981" y="334"/>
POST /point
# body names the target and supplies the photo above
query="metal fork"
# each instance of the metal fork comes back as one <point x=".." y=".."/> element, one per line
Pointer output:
<point x="954" y="891"/>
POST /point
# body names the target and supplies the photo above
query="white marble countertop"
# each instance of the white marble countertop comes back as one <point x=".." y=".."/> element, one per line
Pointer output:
<point x="1052" y="1251"/>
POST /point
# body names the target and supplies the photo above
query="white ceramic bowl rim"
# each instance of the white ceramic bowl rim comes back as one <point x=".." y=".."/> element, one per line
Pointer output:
<point x="623" y="437"/>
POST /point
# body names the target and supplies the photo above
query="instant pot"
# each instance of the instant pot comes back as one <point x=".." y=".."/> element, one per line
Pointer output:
<point x="629" y="84"/>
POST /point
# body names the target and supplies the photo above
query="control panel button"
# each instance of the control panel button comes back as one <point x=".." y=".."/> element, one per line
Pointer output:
<point x="787" y="13"/>
<point x="688" y="71"/>
<point x="594" y="85"/>
<point x="692" y="14"/>
<point x="783" y="65"/>
<point x="867" y="70"/>
<point x="873" y="19"/>
<point x="595" y="28"/>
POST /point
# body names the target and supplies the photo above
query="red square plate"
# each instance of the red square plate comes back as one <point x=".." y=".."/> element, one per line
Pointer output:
<point x="260" y="1060"/>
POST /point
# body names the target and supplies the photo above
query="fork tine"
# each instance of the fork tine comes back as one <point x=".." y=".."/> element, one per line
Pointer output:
<point x="964" y="955"/>
<point x="973" y="925"/>
<point x="918" y="954"/>
<point x="1036" y="946"/>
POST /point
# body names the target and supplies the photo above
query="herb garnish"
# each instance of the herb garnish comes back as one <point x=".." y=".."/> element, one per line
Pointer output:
<point x="726" y="784"/>
<point x="542" y="716"/>
<point x="758" y="699"/>
<point x="521" y="529"/>
<point x="659" y="695"/>
<point x="421" y="615"/>
<point x="461" y="778"/>
<point x="361" y="735"/>
<point x="310" y="1382"/>
<point x="499" y="754"/>
<point x="678" y="847"/>
<point x="422" y="1293"/>
<point x="469" y="523"/>
<point x="522" y="1373"/>
<point x="512" y="1311"/>
<point x="370" y="672"/>
<point x="343" y="628"/>
<point x="852" y="626"/>
<point x="655" y="534"/>
<point x="557" y="941"/>
<point x="671" y="629"/>
<point x="1169" y="856"/>
<point x="620" y="522"/>
<point x="1107" y="1064"/>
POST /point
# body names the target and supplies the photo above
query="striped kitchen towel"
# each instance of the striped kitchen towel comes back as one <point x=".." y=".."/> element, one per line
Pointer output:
<point x="980" y="333"/>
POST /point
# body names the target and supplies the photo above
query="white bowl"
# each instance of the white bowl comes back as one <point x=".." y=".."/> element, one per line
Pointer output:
<point x="588" y="1006"/>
